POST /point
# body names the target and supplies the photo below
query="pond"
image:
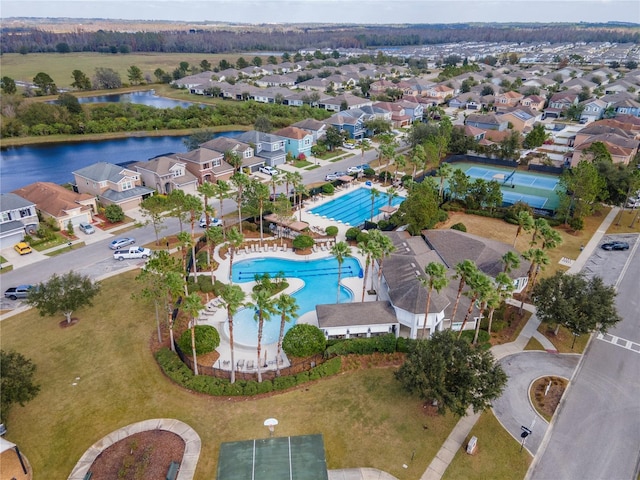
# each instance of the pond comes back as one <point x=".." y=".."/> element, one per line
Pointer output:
<point x="21" y="166"/>
<point x="147" y="97"/>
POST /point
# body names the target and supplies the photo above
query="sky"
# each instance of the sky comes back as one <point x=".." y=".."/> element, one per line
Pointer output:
<point x="333" y="11"/>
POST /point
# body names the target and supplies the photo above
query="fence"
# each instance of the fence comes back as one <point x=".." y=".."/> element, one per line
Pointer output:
<point x="485" y="160"/>
<point x="546" y="169"/>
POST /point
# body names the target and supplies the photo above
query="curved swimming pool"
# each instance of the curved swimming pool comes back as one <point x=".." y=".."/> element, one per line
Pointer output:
<point x="320" y="279"/>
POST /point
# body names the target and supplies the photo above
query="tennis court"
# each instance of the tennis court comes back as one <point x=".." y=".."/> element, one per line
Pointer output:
<point x="538" y="190"/>
<point x="276" y="458"/>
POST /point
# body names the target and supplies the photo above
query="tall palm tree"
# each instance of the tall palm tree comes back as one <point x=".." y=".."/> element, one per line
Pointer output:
<point x="214" y="236"/>
<point x="194" y="207"/>
<point x="417" y="159"/>
<point x="265" y="307"/>
<point x="550" y="238"/>
<point x="399" y="161"/>
<point x="175" y="286"/>
<point x="539" y="225"/>
<point x="276" y="180"/>
<point x="235" y="239"/>
<point x="385" y="248"/>
<point x="539" y="259"/>
<point x="240" y="181"/>
<point x="287" y="306"/>
<point x="525" y="223"/>
<point x="185" y="241"/>
<point x="207" y="190"/>
<point x="436" y="279"/>
<point x="192" y="305"/>
<point x="485" y="293"/>
<point x="478" y="283"/>
<point x="392" y="193"/>
<point x="464" y="271"/>
<point x="444" y="172"/>
<point x="367" y="249"/>
<point x="340" y="251"/>
<point x="233" y="298"/>
<point x="375" y="193"/>
<point x="511" y="260"/>
<point x="300" y="190"/>
<point x="222" y="190"/>
<point x="504" y="289"/>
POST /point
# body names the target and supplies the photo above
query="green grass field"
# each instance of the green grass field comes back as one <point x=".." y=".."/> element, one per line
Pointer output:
<point x="60" y="65"/>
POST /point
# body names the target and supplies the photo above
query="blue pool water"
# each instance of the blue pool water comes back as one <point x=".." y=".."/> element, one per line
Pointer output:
<point x="355" y="207"/>
<point x="320" y="287"/>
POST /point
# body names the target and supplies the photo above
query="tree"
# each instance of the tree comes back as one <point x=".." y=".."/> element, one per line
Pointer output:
<point x="45" y="84"/>
<point x="221" y="189"/>
<point x="479" y="285"/>
<point x="420" y="209"/>
<point x="511" y="260"/>
<point x="240" y="181"/>
<point x="333" y="138"/>
<point x="287" y="307"/>
<point x="369" y="250"/>
<point x="256" y="197"/>
<point x="192" y="305"/>
<point x="580" y="304"/>
<point x="264" y="308"/>
<point x="510" y="146"/>
<point x="436" y="279"/>
<point x="233" y="298"/>
<point x="8" y="85"/>
<point x="106" y="79"/>
<point x="63" y="294"/>
<point x="525" y="223"/>
<point x="135" y="75"/>
<point x="152" y="209"/>
<point x="263" y="124"/>
<point x="235" y="239"/>
<point x="584" y="187"/>
<point x="374" y="193"/>
<point x="176" y="203"/>
<point x="504" y="289"/>
<point x="444" y="172"/>
<point x="17" y="384"/>
<point x="385" y="247"/>
<point x="114" y="213"/>
<point x="340" y="251"/>
<point x="214" y="236"/>
<point x="452" y="374"/>
<point x="465" y="270"/>
<point x="205" y="65"/>
<point x="535" y="137"/>
<point x="70" y="102"/>
<point x="207" y="190"/>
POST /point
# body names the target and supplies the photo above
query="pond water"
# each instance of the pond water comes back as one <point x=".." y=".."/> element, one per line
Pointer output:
<point x="147" y="97"/>
<point x="21" y="166"/>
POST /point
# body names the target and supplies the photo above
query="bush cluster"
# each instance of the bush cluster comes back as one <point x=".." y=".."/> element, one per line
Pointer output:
<point x="459" y="226"/>
<point x="204" y="285"/>
<point x="363" y="346"/>
<point x="177" y="371"/>
<point x="304" y="340"/>
<point x="207" y="339"/>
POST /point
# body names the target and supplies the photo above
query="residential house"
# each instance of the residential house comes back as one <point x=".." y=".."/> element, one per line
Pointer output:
<point x="521" y="119"/>
<point x="267" y="147"/>
<point x="622" y="146"/>
<point x="559" y="103"/>
<point x="349" y="121"/>
<point x="578" y="84"/>
<point x="297" y="142"/>
<point x="234" y="145"/>
<point x="207" y="165"/>
<point x="415" y="110"/>
<point x="508" y="99"/>
<point x="17" y="216"/>
<point x="476" y="133"/>
<point x="534" y="102"/>
<point x="399" y="118"/>
<point x="486" y="122"/>
<point x="627" y="107"/>
<point x="345" y="101"/>
<point x="166" y="174"/>
<point x="58" y="204"/>
<point x="315" y="127"/>
<point x="593" y="110"/>
<point x="112" y="184"/>
<point x="276" y="81"/>
<point x="439" y="94"/>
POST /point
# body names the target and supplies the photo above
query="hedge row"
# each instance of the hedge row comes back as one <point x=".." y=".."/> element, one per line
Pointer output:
<point x="177" y="371"/>
<point x="363" y="346"/>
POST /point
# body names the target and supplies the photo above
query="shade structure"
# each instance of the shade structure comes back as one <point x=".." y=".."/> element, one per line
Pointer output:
<point x="388" y="209"/>
<point x="289" y="223"/>
<point x="346" y="178"/>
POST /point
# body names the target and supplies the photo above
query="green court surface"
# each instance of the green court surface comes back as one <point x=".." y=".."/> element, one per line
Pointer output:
<point x="276" y="458"/>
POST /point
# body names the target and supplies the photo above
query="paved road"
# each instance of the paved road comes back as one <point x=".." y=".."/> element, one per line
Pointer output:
<point x="596" y="432"/>
<point x="513" y="408"/>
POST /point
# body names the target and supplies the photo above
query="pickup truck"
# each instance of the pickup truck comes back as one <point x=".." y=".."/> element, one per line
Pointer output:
<point x="132" y="252"/>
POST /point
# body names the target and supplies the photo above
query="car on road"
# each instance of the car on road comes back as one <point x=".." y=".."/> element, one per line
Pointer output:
<point x="615" y="246"/>
<point x="21" y="291"/>
<point x="349" y="146"/>
<point x="269" y="170"/>
<point x="86" y="228"/>
<point x="119" y="243"/>
<point x="22" y="248"/>
<point x="213" y="222"/>
<point x="334" y="176"/>
<point x="355" y="169"/>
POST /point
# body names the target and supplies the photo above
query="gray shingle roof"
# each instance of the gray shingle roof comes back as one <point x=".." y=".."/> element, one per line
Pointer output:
<point x="118" y="197"/>
<point x="355" y="313"/>
<point x="101" y="171"/>
<point x="11" y="201"/>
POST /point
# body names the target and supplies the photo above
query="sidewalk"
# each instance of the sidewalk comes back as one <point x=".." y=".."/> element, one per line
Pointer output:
<point x="463" y="428"/>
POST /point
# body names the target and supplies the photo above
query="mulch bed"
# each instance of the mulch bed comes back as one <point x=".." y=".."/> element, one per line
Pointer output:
<point x="141" y="456"/>
<point x="547" y="404"/>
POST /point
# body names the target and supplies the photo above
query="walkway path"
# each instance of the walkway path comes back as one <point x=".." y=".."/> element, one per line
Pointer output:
<point x="460" y="432"/>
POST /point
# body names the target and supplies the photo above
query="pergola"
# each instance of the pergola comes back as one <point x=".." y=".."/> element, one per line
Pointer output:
<point x="290" y="223"/>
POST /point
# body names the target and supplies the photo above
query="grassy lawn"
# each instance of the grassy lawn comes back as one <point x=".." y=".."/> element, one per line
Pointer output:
<point x="3" y="267"/>
<point x="533" y="344"/>
<point x="564" y="339"/>
<point x="621" y="224"/>
<point x="62" y="250"/>
<point x="57" y="240"/>
<point x="364" y="417"/>
<point x="497" y="457"/>
<point x="302" y="164"/>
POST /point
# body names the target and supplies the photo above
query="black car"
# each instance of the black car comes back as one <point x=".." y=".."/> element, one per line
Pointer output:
<point x="615" y="246"/>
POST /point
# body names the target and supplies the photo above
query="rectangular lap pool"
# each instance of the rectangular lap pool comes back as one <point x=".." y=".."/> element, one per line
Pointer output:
<point x="355" y="207"/>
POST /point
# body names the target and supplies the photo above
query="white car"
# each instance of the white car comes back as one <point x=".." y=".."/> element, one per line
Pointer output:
<point x="269" y="170"/>
<point x="355" y="169"/>
<point x="213" y="222"/>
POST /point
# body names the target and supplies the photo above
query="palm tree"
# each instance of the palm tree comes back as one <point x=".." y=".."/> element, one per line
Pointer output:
<point x="539" y="225"/>
<point x="175" y="286"/>
<point x="550" y="238"/>
<point x="192" y="305"/>
<point x="240" y="181"/>
<point x="193" y="205"/>
<point x="477" y="282"/>
<point x="340" y="251"/>
<point x="300" y="189"/>
<point x="417" y="159"/>
<point x="436" y="279"/>
<point x="511" y="260"/>
<point x="444" y="172"/>
<point x="222" y="190"/>
<point x="504" y="290"/>
<point x="185" y="241"/>
<point x="539" y="260"/>
<point x="287" y="306"/>
<point x="207" y="190"/>
<point x="375" y="193"/>
<point x="214" y="236"/>
<point x="525" y="222"/>
<point x="399" y="161"/>
<point x="464" y="270"/>
<point x="265" y="307"/>
<point x="233" y="298"/>
<point x="275" y="180"/>
<point x="385" y="248"/>
<point x="485" y="293"/>
<point x="235" y="239"/>
<point x="367" y="249"/>
<point x="392" y="193"/>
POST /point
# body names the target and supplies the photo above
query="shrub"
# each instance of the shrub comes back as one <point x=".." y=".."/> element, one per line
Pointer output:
<point x="303" y="241"/>
<point x="202" y="260"/>
<point x="302" y="377"/>
<point x="114" y="213"/>
<point x="265" y="387"/>
<point x="576" y="223"/>
<point x="384" y="343"/>
<point x="331" y="230"/>
<point x="459" y="226"/>
<point x="173" y="367"/>
<point x="328" y="189"/>
<point x="207" y="339"/>
<point x="368" y="172"/>
<point x="304" y="340"/>
<point x="282" y="383"/>
<point x="233" y="389"/>
<point x="352" y="233"/>
<point x="251" y="388"/>
<point x="330" y="367"/>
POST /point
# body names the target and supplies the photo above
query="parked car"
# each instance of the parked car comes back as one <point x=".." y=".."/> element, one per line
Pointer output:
<point x="269" y="170"/>
<point x="329" y="177"/>
<point x="633" y="202"/>
<point x="213" y="222"/>
<point x="355" y="169"/>
<point x="132" y="252"/>
<point x="22" y="248"/>
<point x="121" y="242"/>
<point x="86" y="228"/>
<point x="21" y="291"/>
<point x="350" y="146"/>
<point x="615" y="246"/>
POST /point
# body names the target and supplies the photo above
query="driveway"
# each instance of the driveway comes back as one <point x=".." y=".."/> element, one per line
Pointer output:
<point x="513" y="408"/>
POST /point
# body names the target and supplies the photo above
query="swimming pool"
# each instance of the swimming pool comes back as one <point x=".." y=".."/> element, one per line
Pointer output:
<point x="355" y="207"/>
<point x="320" y="286"/>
